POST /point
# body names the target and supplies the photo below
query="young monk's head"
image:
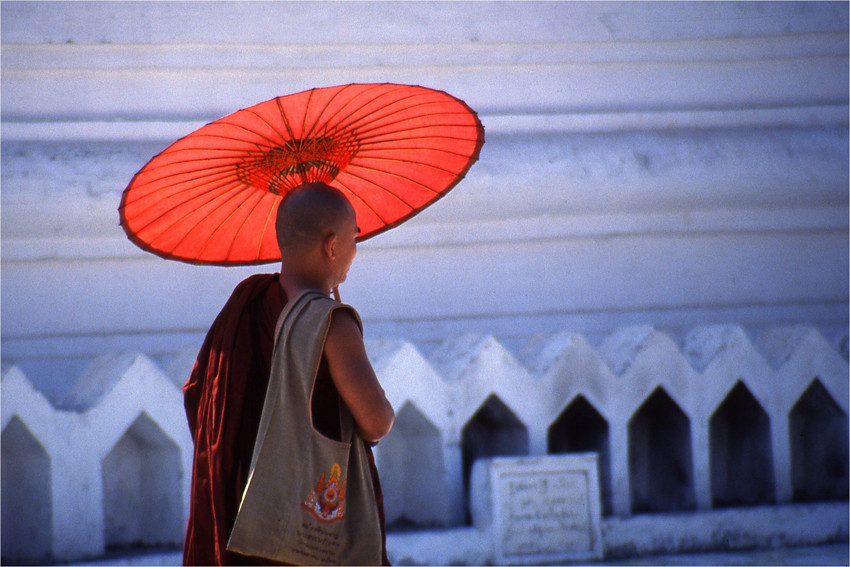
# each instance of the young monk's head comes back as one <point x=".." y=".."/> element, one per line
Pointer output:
<point x="316" y="231"/>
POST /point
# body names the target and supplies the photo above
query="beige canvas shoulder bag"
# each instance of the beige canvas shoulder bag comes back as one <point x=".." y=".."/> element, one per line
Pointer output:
<point x="309" y="500"/>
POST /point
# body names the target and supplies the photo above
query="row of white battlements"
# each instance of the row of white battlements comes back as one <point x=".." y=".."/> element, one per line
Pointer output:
<point x="449" y="385"/>
<point x="616" y="377"/>
<point x="121" y="397"/>
<point x="125" y="410"/>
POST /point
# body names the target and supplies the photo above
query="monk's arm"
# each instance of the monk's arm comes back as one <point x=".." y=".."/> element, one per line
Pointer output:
<point x="355" y="379"/>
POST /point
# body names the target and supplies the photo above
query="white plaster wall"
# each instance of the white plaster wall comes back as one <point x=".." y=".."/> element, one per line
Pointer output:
<point x="669" y="164"/>
<point x="654" y="164"/>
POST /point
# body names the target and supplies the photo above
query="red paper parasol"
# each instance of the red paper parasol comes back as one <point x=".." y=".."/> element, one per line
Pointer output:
<point x="211" y="197"/>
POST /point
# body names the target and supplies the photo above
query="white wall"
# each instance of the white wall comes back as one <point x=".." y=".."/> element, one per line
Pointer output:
<point x="658" y="164"/>
<point x="669" y="164"/>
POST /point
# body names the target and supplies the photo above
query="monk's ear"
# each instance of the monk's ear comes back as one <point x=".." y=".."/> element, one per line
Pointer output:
<point x="329" y="245"/>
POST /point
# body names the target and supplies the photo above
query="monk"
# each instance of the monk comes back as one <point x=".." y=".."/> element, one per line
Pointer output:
<point x="224" y="396"/>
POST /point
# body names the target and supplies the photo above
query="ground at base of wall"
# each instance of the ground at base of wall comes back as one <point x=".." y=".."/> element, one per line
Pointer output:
<point x="625" y="540"/>
<point x="795" y="534"/>
<point x="758" y="527"/>
<point x="136" y="556"/>
<point x="833" y="554"/>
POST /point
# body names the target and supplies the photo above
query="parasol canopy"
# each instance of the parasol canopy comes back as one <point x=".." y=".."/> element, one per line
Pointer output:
<point x="212" y="196"/>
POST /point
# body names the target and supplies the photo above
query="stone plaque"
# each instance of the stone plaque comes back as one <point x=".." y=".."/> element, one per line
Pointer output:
<point x="539" y="510"/>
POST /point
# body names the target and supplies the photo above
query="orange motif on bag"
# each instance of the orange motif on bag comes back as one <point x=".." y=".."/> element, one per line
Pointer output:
<point x="327" y="501"/>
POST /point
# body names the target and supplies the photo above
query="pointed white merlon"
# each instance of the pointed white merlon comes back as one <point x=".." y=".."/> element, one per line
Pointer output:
<point x="477" y="366"/>
<point x="136" y="384"/>
<point x="801" y="354"/>
<point x="19" y="396"/>
<point x="569" y="366"/>
<point x="406" y="375"/>
<point x="643" y="359"/>
<point x="724" y="355"/>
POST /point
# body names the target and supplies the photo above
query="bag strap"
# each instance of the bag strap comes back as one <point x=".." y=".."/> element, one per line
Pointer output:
<point x="291" y="311"/>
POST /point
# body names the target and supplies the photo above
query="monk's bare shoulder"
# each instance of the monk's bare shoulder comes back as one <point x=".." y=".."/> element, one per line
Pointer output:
<point x="355" y="379"/>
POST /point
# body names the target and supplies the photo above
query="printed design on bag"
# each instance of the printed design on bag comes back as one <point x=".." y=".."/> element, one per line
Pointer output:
<point x="327" y="500"/>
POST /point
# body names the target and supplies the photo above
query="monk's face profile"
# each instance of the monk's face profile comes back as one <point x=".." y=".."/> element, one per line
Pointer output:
<point x="344" y="247"/>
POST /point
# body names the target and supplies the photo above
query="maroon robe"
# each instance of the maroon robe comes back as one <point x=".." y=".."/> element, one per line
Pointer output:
<point x="224" y="400"/>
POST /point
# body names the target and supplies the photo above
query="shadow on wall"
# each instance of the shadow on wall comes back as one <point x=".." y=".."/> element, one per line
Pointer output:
<point x="581" y="429"/>
<point x="741" y="454"/>
<point x="660" y="461"/>
<point x="142" y="499"/>
<point x="27" y="521"/>
<point x="818" y="447"/>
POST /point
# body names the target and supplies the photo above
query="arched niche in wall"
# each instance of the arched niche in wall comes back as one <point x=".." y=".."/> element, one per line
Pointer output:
<point x="582" y="429"/>
<point x="141" y="475"/>
<point x="661" y="470"/>
<point x="27" y="522"/>
<point x="818" y="430"/>
<point x="493" y="431"/>
<point x="412" y="469"/>
<point x="741" y="453"/>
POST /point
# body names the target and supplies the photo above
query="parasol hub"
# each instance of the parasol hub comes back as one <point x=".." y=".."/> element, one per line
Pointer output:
<point x="281" y="168"/>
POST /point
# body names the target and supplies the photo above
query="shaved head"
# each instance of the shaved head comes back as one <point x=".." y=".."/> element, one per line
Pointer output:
<point x="308" y="213"/>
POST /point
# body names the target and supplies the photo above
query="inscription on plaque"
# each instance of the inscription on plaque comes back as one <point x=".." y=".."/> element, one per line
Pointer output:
<point x="539" y="510"/>
<point x="545" y="512"/>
